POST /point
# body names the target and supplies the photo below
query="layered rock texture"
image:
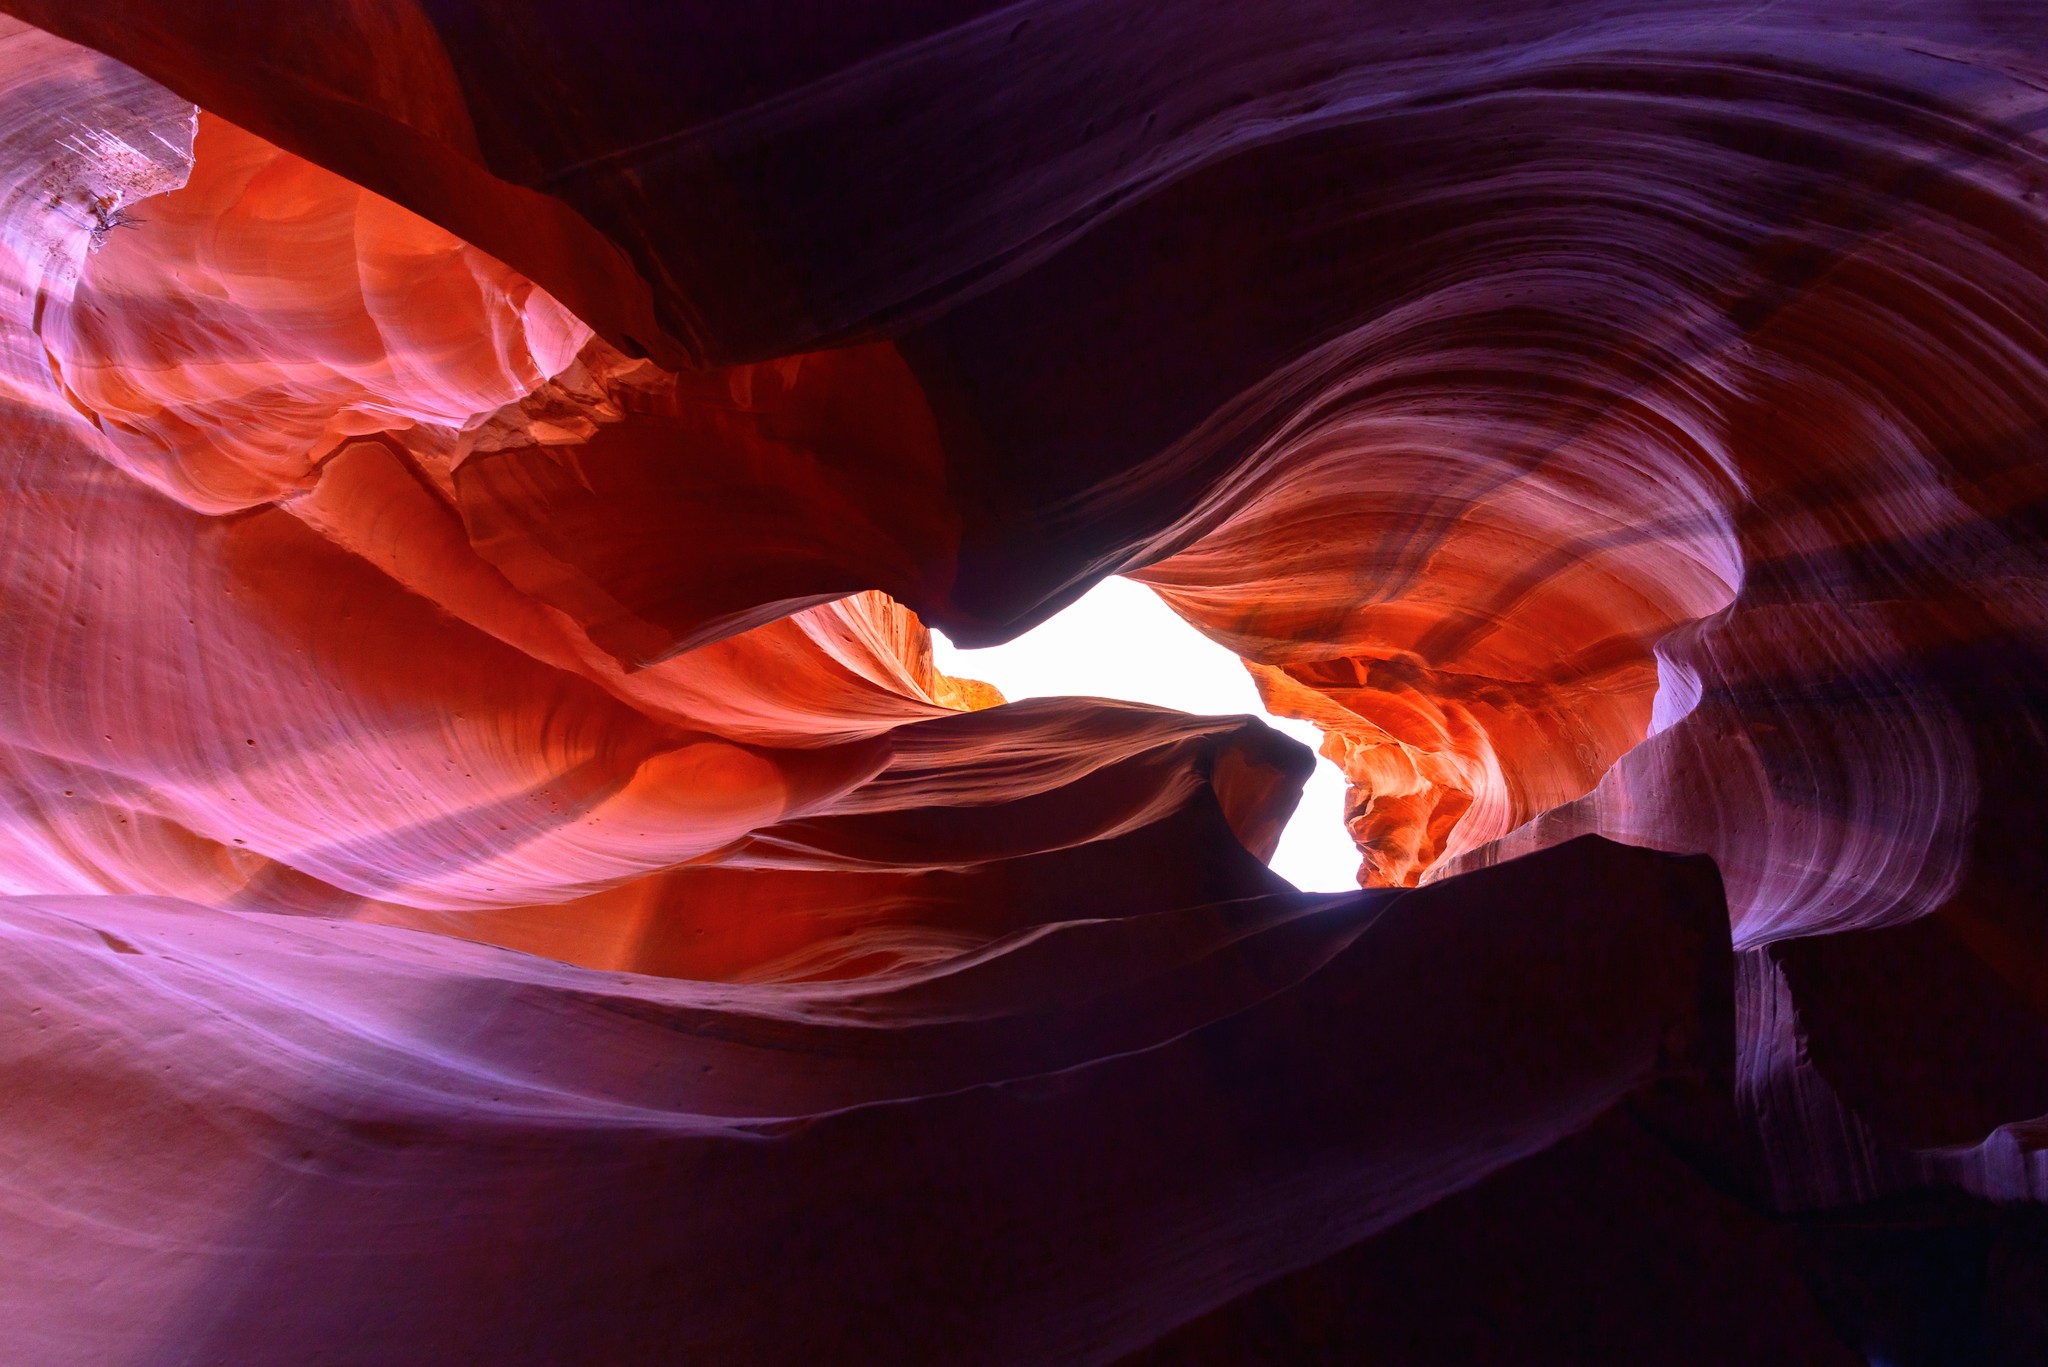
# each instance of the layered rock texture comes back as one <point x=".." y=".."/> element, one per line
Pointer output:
<point x="488" y="869"/>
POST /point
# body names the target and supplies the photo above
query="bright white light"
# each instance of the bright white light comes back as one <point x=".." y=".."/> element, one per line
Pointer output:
<point x="1121" y="641"/>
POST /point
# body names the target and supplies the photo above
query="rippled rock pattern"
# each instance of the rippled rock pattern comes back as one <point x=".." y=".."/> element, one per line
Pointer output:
<point x="490" y="873"/>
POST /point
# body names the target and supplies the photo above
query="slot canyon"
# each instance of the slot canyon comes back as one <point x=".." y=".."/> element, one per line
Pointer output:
<point x="491" y="871"/>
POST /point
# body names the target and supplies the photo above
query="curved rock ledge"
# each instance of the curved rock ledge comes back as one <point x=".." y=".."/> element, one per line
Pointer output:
<point x="493" y="873"/>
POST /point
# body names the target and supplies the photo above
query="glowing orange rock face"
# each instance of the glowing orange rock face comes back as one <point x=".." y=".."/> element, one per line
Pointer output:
<point x="479" y="488"/>
<point x="803" y="480"/>
<point x="302" y="312"/>
<point x="1475" y="641"/>
<point x="340" y="667"/>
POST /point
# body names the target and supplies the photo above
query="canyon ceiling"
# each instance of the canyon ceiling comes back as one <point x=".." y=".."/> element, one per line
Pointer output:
<point x="490" y="873"/>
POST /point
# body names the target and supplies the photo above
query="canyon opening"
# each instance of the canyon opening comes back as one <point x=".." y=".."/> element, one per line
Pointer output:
<point x="923" y="682"/>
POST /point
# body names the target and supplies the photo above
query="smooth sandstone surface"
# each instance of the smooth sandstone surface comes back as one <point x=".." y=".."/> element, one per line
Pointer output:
<point x="491" y="872"/>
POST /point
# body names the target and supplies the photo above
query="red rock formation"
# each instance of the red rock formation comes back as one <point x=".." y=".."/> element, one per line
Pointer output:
<point x="476" y="483"/>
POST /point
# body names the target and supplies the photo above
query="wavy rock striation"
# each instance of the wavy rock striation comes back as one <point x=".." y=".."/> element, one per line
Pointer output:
<point x="493" y="875"/>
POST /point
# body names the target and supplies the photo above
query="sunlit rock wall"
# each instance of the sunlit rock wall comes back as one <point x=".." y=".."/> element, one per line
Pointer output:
<point x="493" y="874"/>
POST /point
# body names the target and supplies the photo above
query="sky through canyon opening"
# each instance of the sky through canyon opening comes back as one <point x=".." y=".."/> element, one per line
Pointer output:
<point x="1121" y="641"/>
